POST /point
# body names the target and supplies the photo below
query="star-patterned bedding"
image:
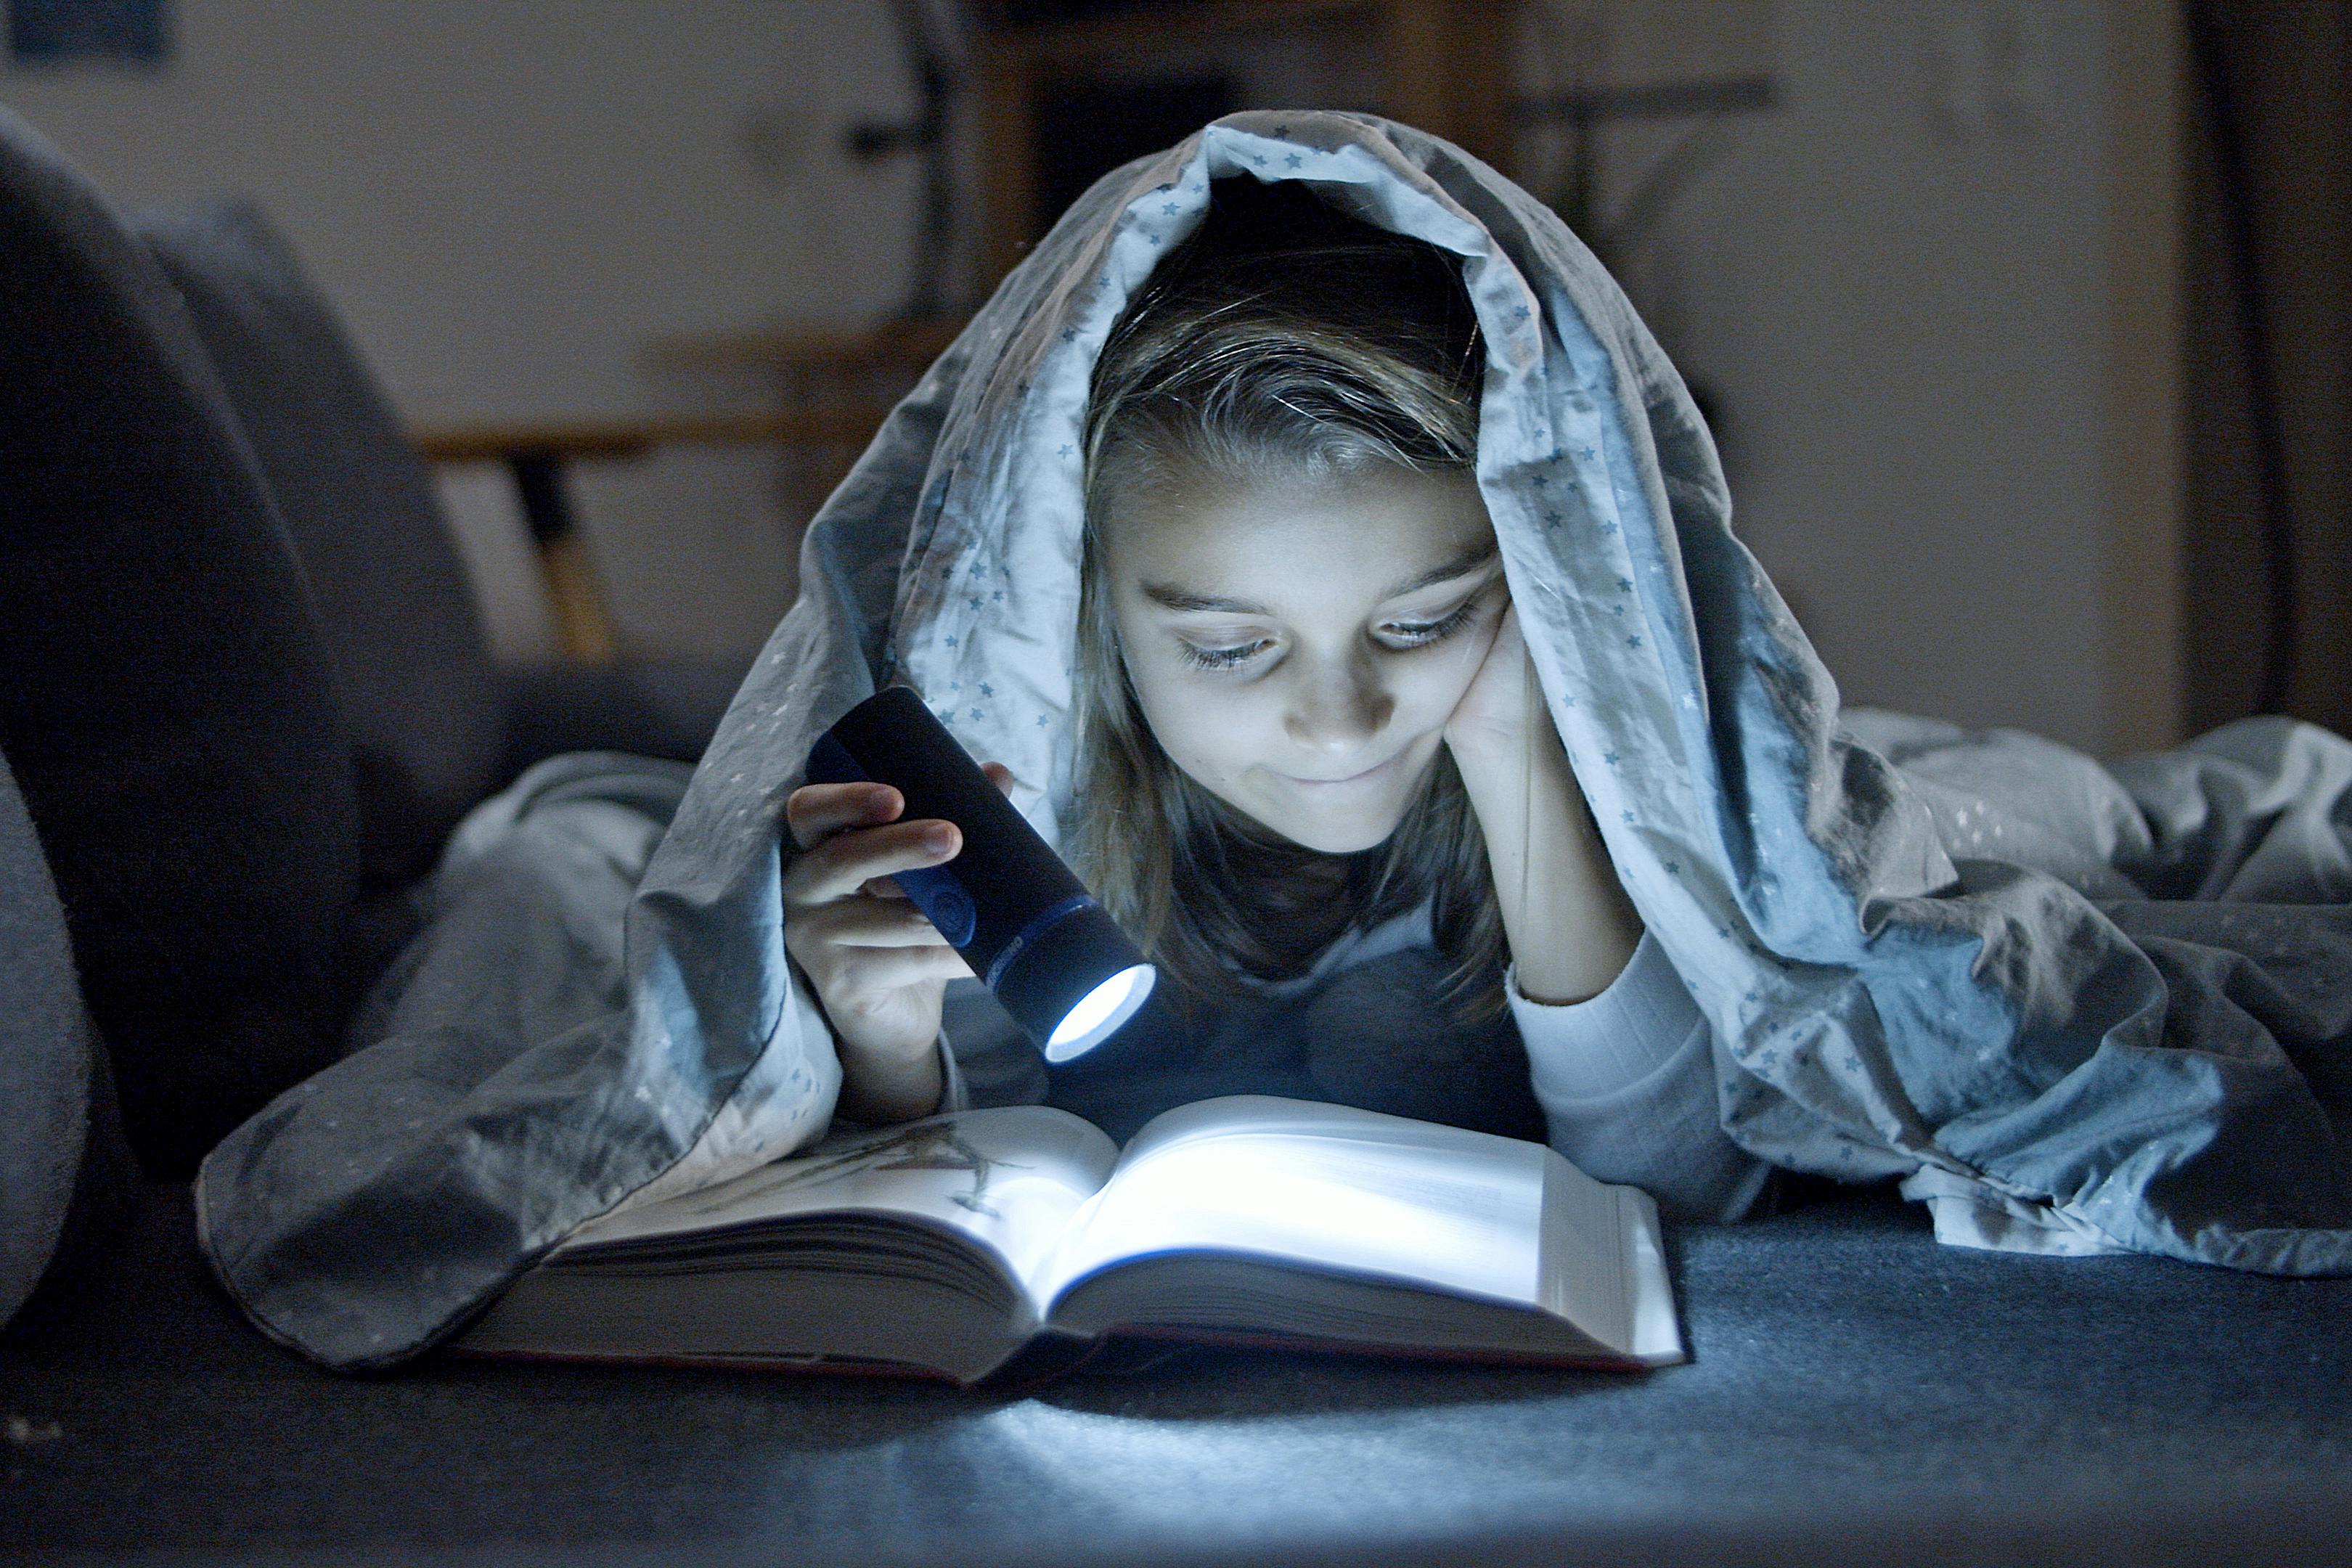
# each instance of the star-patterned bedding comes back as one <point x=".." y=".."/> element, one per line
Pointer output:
<point x="2076" y="1009"/>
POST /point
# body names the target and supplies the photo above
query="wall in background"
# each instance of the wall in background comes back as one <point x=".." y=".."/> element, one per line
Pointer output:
<point x="1900" y="287"/>
<point x="1908" y="317"/>
<point x="508" y="203"/>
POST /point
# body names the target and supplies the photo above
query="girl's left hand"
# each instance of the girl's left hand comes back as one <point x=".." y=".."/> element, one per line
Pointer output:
<point x="1569" y="922"/>
<point x="1490" y="722"/>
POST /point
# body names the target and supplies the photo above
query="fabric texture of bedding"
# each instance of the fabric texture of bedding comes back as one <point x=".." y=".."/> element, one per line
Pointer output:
<point x="2077" y="1008"/>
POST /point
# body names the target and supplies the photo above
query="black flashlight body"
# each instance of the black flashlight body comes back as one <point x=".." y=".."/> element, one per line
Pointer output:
<point x="1018" y="914"/>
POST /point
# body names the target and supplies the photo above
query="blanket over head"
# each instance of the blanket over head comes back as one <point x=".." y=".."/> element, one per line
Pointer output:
<point x="2079" y="1009"/>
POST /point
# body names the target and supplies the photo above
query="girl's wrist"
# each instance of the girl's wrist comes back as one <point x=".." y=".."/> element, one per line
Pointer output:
<point x="1570" y="924"/>
<point x="1483" y="761"/>
<point x="889" y="1082"/>
<point x="883" y="1089"/>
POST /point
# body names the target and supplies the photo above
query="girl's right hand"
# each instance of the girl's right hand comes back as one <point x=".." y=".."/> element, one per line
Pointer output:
<point x="878" y="965"/>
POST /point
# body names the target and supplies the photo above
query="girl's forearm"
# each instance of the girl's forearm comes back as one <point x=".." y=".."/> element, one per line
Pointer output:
<point x="1571" y="926"/>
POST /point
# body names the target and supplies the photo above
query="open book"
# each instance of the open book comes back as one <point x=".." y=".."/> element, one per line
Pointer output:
<point x="950" y="1246"/>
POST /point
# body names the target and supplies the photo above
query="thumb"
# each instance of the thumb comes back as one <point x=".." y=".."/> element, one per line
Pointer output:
<point x="1000" y="776"/>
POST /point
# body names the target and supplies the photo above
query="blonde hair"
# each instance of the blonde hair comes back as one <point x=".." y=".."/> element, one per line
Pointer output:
<point x="1282" y="340"/>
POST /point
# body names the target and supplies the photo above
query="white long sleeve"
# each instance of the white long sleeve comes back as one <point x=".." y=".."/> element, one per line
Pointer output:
<point x="1626" y="1081"/>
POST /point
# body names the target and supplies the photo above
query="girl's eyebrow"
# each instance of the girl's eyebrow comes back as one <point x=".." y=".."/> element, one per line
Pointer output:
<point x="1468" y="561"/>
<point x="1182" y="599"/>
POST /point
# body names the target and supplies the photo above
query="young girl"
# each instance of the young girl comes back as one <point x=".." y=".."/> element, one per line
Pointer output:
<point x="1315" y="778"/>
<point x="1326" y="589"/>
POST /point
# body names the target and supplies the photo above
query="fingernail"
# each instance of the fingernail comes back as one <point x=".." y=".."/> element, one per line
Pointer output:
<point x="938" y="840"/>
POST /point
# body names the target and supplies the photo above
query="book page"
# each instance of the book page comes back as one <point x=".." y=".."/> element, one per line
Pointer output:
<point x="1008" y="1178"/>
<point x="1321" y="1186"/>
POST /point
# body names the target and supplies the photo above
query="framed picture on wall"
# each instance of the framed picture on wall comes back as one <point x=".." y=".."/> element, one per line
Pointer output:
<point x="117" y="32"/>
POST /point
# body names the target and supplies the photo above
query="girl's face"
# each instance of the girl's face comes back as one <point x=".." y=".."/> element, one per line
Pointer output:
<point x="1297" y="647"/>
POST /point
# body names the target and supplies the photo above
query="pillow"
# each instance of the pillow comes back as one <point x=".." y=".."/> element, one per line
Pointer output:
<point x="166" y="701"/>
<point x="423" y="700"/>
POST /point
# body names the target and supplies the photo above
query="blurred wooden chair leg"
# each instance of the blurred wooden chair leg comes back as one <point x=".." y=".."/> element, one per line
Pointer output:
<point x="575" y="599"/>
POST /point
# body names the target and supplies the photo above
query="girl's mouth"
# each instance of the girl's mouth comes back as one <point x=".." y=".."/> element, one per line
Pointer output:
<point x="1367" y="776"/>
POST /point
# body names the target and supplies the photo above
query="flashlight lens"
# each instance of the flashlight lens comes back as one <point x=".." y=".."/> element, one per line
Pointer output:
<point x="1100" y="1012"/>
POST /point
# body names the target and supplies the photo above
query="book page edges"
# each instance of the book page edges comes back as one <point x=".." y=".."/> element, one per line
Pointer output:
<point x="1657" y="1338"/>
<point x="1619" y="1272"/>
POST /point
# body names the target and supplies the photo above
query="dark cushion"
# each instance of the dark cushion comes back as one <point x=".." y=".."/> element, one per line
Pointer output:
<point x="425" y="702"/>
<point x="169" y="706"/>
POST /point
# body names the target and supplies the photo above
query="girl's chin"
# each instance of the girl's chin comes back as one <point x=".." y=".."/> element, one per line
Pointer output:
<point x="1329" y="832"/>
<point x="1351" y="843"/>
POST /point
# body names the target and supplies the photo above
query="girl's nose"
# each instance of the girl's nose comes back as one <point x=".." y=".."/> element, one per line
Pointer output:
<point x="1337" y="706"/>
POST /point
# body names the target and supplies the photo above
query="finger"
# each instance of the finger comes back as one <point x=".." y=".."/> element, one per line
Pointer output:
<point x="878" y="971"/>
<point x="824" y="937"/>
<point x="856" y="858"/>
<point x="817" y="812"/>
<point x="884" y="888"/>
<point x="860" y="921"/>
<point x="847" y="861"/>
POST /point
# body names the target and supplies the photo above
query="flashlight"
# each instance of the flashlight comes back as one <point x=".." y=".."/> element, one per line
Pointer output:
<point x="1020" y="918"/>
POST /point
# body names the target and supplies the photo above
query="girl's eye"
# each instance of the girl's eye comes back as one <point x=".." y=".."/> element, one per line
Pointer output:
<point x="1218" y="658"/>
<point x="1421" y="634"/>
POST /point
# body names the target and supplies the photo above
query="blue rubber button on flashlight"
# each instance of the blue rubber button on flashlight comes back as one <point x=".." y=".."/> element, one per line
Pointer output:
<point x="938" y="893"/>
